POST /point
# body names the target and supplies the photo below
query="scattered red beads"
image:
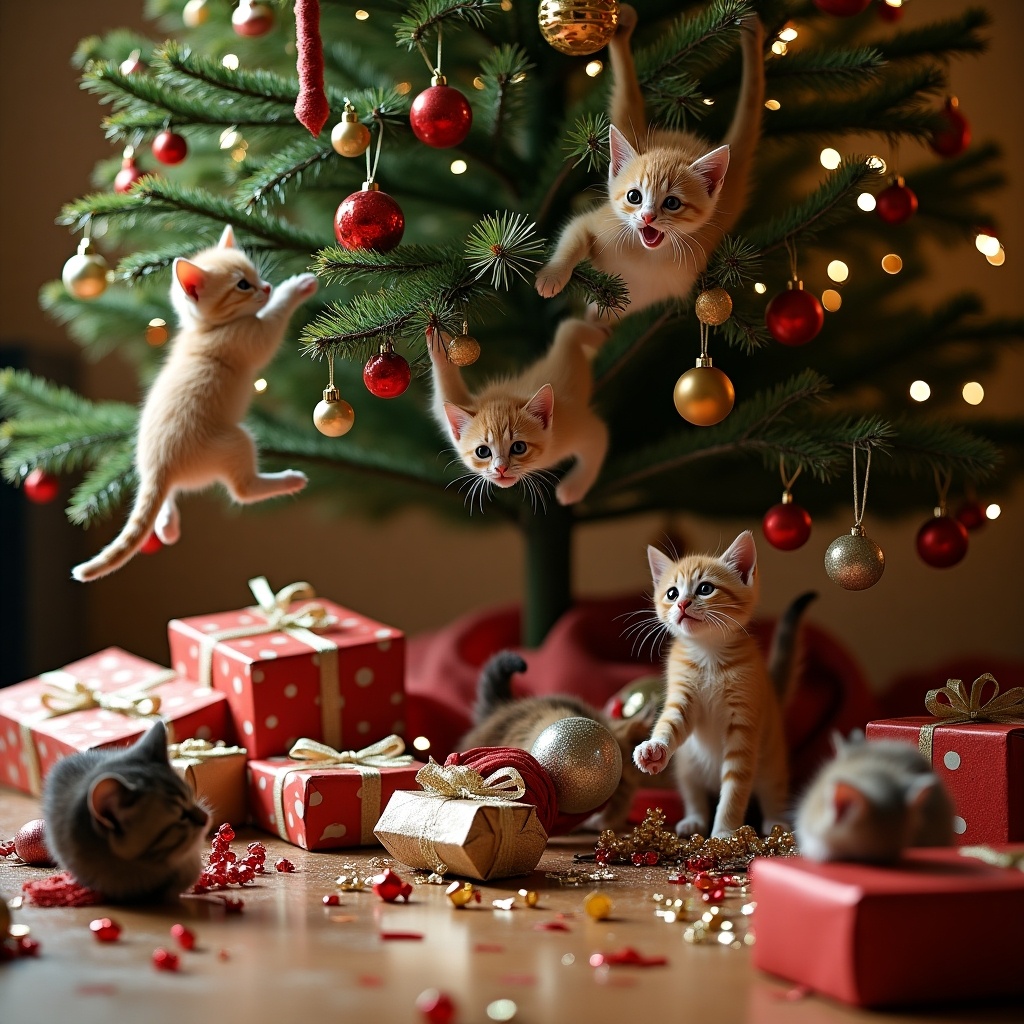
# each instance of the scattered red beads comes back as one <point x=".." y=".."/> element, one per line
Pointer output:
<point x="164" y="960"/>
<point x="715" y="895"/>
<point x="224" y="867"/>
<point x="27" y="946"/>
<point x="105" y="929"/>
<point x="332" y="899"/>
<point x="284" y="865"/>
<point x="390" y="887"/>
<point x="6" y="847"/>
<point x="183" y="936"/>
<point x="24" y="945"/>
<point x="627" y="957"/>
<point x="436" y="1007"/>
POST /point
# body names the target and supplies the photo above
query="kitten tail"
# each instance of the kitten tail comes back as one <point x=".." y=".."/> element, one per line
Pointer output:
<point x="135" y="533"/>
<point x="784" y="661"/>
<point x="494" y="686"/>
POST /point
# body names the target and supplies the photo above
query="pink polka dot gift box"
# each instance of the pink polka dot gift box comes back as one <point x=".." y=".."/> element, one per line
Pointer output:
<point x="106" y="700"/>
<point x="974" y="739"/>
<point x="296" y="666"/>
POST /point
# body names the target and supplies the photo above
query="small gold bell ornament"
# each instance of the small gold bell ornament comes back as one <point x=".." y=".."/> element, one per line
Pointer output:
<point x="87" y="274"/>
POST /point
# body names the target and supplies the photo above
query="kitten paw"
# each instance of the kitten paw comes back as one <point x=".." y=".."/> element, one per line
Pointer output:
<point x="691" y="826"/>
<point x="568" y="493"/>
<point x="627" y="20"/>
<point x="549" y="283"/>
<point x="306" y="285"/>
<point x="651" y="756"/>
<point x="293" y="481"/>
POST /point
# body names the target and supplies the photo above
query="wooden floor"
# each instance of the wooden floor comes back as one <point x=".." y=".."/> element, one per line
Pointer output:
<point x="287" y="957"/>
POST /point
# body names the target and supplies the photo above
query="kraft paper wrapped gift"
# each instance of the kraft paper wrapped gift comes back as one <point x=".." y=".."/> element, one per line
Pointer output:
<point x="464" y="824"/>
<point x="216" y="775"/>
<point x="943" y="925"/>
<point x="295" y="667"/>
<point x="975" y="743"/>
<point x="319" y="798"/>
<point x="105" y="700"/>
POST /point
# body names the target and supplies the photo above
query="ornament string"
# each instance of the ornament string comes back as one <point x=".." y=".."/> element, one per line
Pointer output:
<point x="705" y="331"/>
<point x="860" y="504"/>
<point x="434" y="69"/>
<point x="791" y="249"/>
<point x="787" y="482"/>
<point x="371" y="171"/>
<point x="330" y="371"/>
<point x="943" y="478"/>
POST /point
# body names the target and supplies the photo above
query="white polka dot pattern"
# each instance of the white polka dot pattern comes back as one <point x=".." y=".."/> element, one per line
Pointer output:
<point x="951" y="759"/>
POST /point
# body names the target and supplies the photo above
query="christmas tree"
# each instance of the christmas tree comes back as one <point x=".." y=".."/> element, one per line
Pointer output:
<point x="206" y="133"/>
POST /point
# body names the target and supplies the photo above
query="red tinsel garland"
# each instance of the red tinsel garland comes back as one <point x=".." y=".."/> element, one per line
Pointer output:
<point x="311" y="106"/>
<point x="60" y="891"/>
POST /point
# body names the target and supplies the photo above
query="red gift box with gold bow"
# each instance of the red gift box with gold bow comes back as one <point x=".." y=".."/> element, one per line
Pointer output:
<point x="974" y="740"/>
<point x="296" y="666"/>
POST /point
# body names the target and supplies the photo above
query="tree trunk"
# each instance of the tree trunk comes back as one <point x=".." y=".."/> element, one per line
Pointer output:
<point x="548" y="538"/>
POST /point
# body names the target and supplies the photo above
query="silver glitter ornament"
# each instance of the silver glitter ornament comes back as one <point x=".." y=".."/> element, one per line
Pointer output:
<point x="855" y="562"/>
<point x="583" y="760"/>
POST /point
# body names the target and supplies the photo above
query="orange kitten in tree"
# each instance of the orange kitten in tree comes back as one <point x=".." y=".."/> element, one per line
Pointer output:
<point x="190" y="432"/>
<point x="670" y="201"/>
<point x="721" y="722"/>
<point x="516" y="429"/>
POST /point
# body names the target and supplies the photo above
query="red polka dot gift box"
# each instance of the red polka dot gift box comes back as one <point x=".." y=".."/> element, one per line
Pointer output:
<point x="974" y="739"/>
<point x="106" y="700"/>
<point x="296" y="666"/>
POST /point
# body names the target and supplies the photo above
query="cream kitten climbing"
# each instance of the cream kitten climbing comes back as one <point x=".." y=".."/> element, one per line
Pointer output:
<point x="190" y="434"/>
<point x="722" y="717"/>
<point x="516" y="429"/>
<point x="670" y="201"/>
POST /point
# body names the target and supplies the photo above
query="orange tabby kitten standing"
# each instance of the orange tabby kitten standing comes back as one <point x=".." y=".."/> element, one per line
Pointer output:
<point x="722" y="717"/>
<point x="515" y="429"/>
<point x="190" y="434"/>
<point x="670" y="201"/>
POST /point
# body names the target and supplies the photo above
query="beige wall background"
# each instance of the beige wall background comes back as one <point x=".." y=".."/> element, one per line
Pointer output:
<point x="412" y="571"/>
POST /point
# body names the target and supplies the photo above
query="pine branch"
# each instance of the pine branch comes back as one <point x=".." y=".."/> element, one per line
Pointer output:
<point x="587" y="142"/>
<point x="427" y="16"/>
<point x="504" y="246"/>
<point x="104" y="488"/>
<point x="503" y="72"/>
<point x="301" y="162"/>
<point x="607" y="292"/>
<point x="925" y="445"/>
<point x="939" y="40"/>
<point x="337" y="264"/>
<point x="830" y="68"/>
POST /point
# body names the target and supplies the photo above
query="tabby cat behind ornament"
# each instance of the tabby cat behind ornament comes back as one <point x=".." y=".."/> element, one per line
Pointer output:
<point x="872" y="801"/>
<point x="123" y="822"/>
<point x="515" y="429"/>
<point x="722" y="716"/>
<point x="502" y="720"/>
<point x="190" y="434"/>
<point x="670" y="201"/>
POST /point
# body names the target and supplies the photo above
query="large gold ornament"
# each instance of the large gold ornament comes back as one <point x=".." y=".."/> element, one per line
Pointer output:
<point x="350" y="136"/>
<point x="583" y="760"/>
<point x="333" y="416"/>
<point x="86" y="275"/>
<point x="854" y="562"/>
<point x="713" y="306"/>
<point x="578" y="27"/>
<point x="463" y="350"/>
<point x="704" y="395"/>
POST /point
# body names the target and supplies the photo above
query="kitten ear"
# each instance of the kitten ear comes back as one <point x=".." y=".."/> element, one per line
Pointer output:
<point x="659" y="562"/>
<point x="458" y="420"/>
<point x="108" y="797"/>
<point x="153" y="743"/>
<point x="920" y="790"/>
<point x="712" y="168"/>
<point x="190" y="277"/>
<point x="742" y="556"/>
<point x="227" y="238"/>
<point x="542" y="405"/>
<point x="621" y="151"/>
<point x="847" y="800"/>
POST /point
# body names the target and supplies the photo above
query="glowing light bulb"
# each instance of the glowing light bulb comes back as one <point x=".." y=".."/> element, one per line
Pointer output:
<point x="228" y="138"/>
<point x="973" y="392"/>
<point x="779" y="48"/>
<point x="772" y="105"/>
<point x="708" y="101"/>
<point x="999" y="259"/>
<point x="506" y="5"/>
<point x="831" y="300"/>
<point x="788" y="34"/>
<point x="838" y="271"/>
<point x="920" y="391"/>
<point x="478" y="82"/>
<point x="891" y="263"/>
<point x="760" y="288"/>
<point x="987" y="245"/>
<point x="421" y="743"/>
<point x="876" y="163"/>
<point x="403" y="88"/>
<point x="260" y="385"/>
<point x="830" y="159"/>
<point x="156" y="332"/>
<point x="594" y="68"/>
<point x="993" y="511"/>
<point x="362" y="15"/>
<point x="866" y="201"/>
<point x="459" y="167"/>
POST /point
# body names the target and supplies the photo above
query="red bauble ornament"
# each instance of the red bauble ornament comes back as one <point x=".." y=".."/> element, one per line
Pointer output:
<point x="942" y="542"/>
<point x="889" y="13"/>
<point x="896" y="203"/>
<point x="252" y="19"/>
<point x="169" y="147"/>
<point x="390" y="887"/>
<point x="842" y="8"/>
<point x="30" y="843"/>
<point x="284" y="865"/>
<point x="105" y="929"/>
<point x="440" y="116"/>
<point x="128" y="175"/>
<point x="972" y="515"/>
<point x="786" y="526"/>
<point x="369" y="219"/>
<point x="151" y="545"/>
<point x="794" y="316"/>
<point x="165" y="960"/>
<point x="387" y="374"/>
<point x="41" y="487"/>
<point x="436" y="1007"/>
<point x="955" y="136"/>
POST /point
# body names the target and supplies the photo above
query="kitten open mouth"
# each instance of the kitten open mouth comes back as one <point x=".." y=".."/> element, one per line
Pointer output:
<point x="504" y="481"/>
<point x="651" y="237"/>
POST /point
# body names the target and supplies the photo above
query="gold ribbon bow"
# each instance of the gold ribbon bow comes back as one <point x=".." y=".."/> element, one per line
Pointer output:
<point x="997" y="858"/>
<point x="460" y="781"/>
<point x="953" y="706"/>
<point x="200" y="750"/>
<point x="386" y="753"/>
<point x="275" y="606"/>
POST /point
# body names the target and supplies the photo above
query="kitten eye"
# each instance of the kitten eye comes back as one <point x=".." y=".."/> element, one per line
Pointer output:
<point x="243" y="285"/>
<point x="482" y="452"/>
<point x="634" y="196"/>
<point x="672" y="203"/>
<point x="705" y="589"/>
<point x="517" y="447"/>
<point x="672" y="593"/>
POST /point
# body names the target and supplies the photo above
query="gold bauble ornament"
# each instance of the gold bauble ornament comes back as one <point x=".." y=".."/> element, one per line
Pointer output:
<point x="333" y="416"/>
<point x="463" y="350"/>
<point x="637" y="698"/>
<point x="196" y="13"/>
<point x="583" y="760"/>
<point x="350" y="136"/>
<point x="578" y="27"/>
<point x="86" y="275"/>
<point x="854" y="562"/>
<point x="713" y="306"/>
<point x="597" y="906"/>
<point x="704" y="395"/>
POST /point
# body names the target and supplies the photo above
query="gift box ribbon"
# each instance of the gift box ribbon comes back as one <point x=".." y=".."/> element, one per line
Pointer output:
<point x="200" y="750"/>
<point x="301" y="624"/>
<point x="386" y="753"/>
<point x="953" y="706"/>
<point x="66" y="694"/>
<point x="501" y="789"/>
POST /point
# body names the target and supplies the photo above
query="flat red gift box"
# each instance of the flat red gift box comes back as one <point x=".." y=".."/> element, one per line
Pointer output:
<point x="940" y="926"/>
<point x="294" y="667"/>
<point x="982" y="766"/>
<point x="323" y="799"/>
<point x="38" y="723"/>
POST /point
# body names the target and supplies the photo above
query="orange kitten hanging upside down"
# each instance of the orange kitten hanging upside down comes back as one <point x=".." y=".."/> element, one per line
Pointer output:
<point x="722" y="717"/>
<point x="190" y="434"/>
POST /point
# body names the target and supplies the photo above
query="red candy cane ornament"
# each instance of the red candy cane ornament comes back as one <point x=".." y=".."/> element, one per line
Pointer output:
<point x="311" y="106"/>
